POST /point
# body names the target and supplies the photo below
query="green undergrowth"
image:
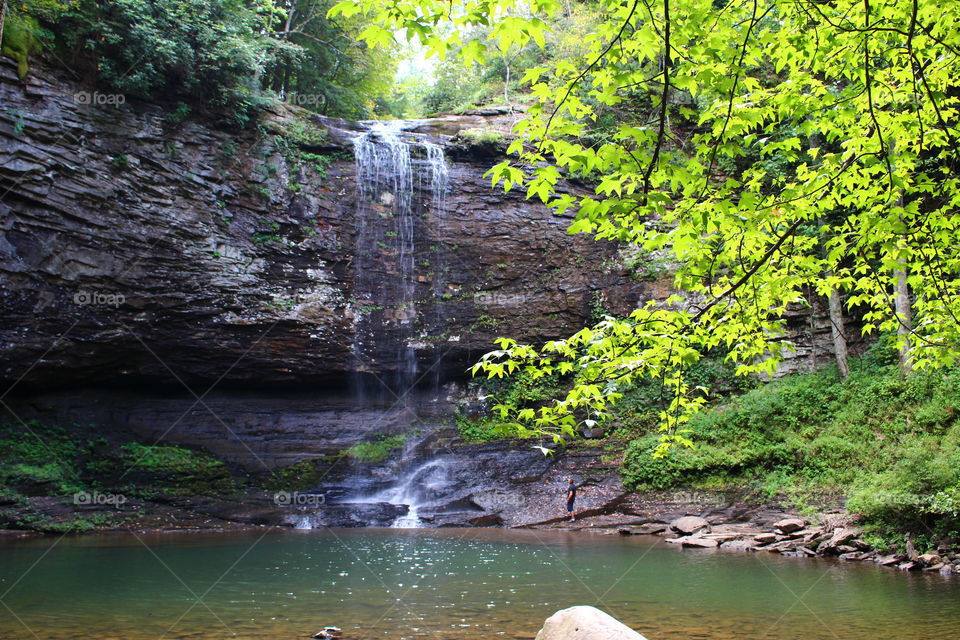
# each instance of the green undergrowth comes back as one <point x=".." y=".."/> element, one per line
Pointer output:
<point x="638" y="411"/>
<point x="481" y="429"/>
<point x="49" y="460"/>
<point x="377" y="450"/>
<point x="519" y="391"/>
<point x="888" y="444"/>
<point x="80" y="524"/>
<point x="300" y="475"/>
<point x="177" y="470"/>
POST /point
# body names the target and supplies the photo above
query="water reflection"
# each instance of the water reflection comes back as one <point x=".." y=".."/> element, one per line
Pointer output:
<point x="466" y="583"/>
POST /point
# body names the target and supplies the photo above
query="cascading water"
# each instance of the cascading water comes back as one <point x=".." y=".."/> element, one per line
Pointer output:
<point x="419" y="483"/>
<point x="399" y="175"/>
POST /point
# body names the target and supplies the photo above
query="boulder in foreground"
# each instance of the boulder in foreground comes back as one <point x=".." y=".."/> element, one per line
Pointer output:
<point x="585" y="623"/>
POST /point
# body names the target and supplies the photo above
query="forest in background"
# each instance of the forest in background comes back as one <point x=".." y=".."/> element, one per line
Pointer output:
<point x="230" y="59"/>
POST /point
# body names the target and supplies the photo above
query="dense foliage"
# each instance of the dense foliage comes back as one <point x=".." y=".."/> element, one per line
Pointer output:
<point x="771" y="148"/>
<point x="891" y="445"/>
<point x="220" y="56"/>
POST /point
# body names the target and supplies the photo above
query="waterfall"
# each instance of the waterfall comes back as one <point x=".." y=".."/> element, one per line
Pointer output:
<point x="399" y="175"/>
<point x="399" y="283"/>
<point x="439" y="181"/>
<point x="416" y="489"/>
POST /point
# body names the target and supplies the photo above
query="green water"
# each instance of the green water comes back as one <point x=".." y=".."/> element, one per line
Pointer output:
<point x="474" y="583"/>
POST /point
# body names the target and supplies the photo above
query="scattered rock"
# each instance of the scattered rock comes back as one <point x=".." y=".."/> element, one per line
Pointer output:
<point x="789" y="525"/>
<point x="909" y="565"/>
<point x="840" y="537"/>
<point x="765" y="538"/>
<point x="789" y="536"/>
<point x="888" y="561"/>
<point x="781" y="547"/>
<point x="739" y="544"/>
<point x="699" y="542"/>
<point x="928" y="559"/>
<point x="860" y="544"/>
<point x="688" y="525"/>
<point x="719" y="537"/>
<point x="642" y="530"/>
<point x="585" y="623"/>
<point x="843" y="535"/>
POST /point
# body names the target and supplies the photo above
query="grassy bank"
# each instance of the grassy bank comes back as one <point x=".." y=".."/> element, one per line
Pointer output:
<point x="889" y="445"/>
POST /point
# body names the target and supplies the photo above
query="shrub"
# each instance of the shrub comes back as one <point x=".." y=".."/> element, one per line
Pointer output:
<point x="482" y="429"/>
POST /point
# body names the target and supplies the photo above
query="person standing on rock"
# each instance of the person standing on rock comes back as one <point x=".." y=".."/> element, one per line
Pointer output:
<point x="571" y="497"/>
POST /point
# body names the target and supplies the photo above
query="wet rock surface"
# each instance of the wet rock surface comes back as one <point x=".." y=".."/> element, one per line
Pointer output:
<point x="135" y="249"/>
<point x="251" y="432"/>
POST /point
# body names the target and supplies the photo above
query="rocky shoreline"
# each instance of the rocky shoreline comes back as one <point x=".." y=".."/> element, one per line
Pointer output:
<point x="494" y="492"/>
<point x="766" y="528"/>
<point x="721" y="520"/>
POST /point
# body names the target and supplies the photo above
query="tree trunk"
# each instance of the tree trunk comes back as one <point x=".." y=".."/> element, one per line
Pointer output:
<point x="506" y="85"/>
<point x="904" y="319"/>
<point x="3" y="14"/>
<point x="903" y="309"/>
<point x="838" y="334"/>
<point x="812" y="328"/>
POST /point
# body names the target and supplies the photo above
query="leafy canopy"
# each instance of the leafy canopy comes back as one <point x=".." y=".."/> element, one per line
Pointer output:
<point x="221" y="56"/>
<point x="788" y="147"/>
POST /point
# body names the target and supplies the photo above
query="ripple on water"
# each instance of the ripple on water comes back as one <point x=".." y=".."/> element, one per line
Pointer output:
<point x="439" y="584"/>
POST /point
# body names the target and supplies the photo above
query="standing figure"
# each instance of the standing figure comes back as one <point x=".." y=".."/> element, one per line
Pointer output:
<point x="571" y="497"/>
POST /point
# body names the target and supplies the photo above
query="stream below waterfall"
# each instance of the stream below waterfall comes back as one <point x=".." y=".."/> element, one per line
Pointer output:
<point x="453" y="583"/>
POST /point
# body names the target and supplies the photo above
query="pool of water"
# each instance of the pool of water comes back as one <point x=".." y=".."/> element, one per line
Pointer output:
<point x="468" y="583"/>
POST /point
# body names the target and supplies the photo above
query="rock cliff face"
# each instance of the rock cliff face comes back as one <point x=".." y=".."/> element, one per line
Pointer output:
<point x="135" y="248"/>
<point x="139" y="249"/>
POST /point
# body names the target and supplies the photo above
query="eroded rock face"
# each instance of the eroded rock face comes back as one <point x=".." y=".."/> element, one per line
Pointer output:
<point x="138" y="249"/>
